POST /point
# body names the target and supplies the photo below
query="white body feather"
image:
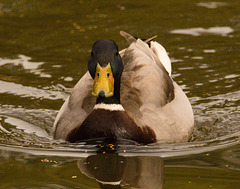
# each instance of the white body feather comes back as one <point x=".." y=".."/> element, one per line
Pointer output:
<point x="161" y="53"/>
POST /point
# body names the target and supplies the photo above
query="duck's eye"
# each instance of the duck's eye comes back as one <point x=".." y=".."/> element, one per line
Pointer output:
<point x="117" y="54"/>
<point x="91" y="53"/>
<point x="108" y="74"/>
<point x="98" y="74"/>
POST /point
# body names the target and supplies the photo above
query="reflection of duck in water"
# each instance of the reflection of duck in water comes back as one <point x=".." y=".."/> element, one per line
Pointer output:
<point x="140" y="102"/>
<point x="112" y="171"/>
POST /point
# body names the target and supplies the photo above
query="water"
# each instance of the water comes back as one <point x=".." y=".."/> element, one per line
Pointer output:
<point x="44" y="48"/>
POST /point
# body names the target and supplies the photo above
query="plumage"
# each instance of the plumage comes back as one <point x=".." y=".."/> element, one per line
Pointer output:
<point x="148" y="95"/>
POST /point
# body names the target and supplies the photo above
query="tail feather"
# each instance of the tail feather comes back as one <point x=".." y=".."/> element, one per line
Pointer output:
<point x="130" y="39"/>
<point x="150" y="39"/>
<point x="161" y="53"/>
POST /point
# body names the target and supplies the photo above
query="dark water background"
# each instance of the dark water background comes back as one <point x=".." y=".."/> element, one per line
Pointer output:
<point x="44" y="48"/>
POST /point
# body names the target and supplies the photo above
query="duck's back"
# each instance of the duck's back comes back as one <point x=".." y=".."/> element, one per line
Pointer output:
<point x="151" y="97"/>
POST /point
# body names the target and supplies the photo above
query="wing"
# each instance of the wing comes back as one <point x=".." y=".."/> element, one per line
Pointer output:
<point x="75" y="109"/>
<point x="145" y="81"/>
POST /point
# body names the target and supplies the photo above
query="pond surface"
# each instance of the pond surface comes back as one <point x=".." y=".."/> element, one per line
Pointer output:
<point x="44" y="49"/>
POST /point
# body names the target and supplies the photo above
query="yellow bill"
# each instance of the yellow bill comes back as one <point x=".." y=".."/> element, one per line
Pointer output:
<point x="103" y="81"/>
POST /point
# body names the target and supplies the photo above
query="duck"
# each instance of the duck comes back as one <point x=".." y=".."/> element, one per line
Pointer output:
<point x="127" y="94"/>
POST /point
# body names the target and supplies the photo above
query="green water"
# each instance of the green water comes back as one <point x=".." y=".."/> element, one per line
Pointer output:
<point x="44" y="49"/>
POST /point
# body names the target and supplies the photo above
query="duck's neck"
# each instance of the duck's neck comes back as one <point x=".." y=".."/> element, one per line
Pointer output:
<point x="115" y="99"/>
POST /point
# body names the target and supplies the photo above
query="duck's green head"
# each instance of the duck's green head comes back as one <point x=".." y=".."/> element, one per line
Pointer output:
<point x="106" y="67"/>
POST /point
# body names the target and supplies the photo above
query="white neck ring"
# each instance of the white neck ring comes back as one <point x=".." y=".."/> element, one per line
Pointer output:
<point x="110" y="107"/>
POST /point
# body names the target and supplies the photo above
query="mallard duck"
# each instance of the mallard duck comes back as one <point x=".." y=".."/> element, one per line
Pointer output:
<point x="126" y="95"/>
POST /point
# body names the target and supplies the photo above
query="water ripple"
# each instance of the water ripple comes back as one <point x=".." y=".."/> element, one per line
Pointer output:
<point x="223" y="31"/>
